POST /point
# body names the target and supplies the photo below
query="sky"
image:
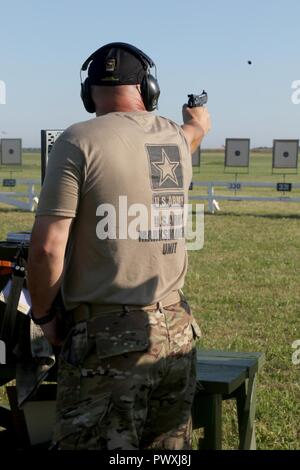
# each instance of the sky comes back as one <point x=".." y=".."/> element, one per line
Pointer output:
<point x="195" y="44"/>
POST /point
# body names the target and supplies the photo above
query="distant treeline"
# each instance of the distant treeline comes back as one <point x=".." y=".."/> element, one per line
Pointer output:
<point x="254" y="149"/>
<point x="31" y="150"/>
<point x="222" y="149"/>
<point x="261" y="149"/>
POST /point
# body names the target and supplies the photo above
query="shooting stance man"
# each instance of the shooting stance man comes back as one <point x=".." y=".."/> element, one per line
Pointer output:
<point x="126" y="374"/>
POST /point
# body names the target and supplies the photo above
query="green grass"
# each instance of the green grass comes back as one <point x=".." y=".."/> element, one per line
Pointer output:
<point x="243" y="287"/>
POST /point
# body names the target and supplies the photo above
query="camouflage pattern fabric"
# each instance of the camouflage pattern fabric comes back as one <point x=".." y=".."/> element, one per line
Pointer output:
<point x="127" y="381"/>
<point x="34" y="367"/>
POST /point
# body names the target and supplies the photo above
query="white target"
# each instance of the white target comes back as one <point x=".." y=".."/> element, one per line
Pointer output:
<point x="237" y="152"/>
<point x="285" y="153"/>
<point x="11" y="151"/>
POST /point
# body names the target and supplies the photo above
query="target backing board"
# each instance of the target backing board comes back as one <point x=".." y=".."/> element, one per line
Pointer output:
<point x="285" y="153"/>
<point x="237" y="152"/>
<point x="48" y="137"/>
<point x="11" y="152"/>
<point x="196" y="157"/>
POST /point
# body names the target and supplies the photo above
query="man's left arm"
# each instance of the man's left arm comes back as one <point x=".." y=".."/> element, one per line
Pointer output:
<point x="45" y="268"/>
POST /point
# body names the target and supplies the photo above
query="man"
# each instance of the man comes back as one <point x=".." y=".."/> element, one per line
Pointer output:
<point x="126" y="375"/>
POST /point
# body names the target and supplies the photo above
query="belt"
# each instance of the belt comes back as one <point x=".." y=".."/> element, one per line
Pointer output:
<point x="87" y="311"/>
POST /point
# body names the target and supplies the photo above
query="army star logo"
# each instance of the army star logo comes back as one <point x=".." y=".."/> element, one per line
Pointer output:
<point x="166" y="169"/>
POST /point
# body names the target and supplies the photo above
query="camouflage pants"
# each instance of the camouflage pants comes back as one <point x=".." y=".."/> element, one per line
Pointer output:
<point x="127" y="381"/>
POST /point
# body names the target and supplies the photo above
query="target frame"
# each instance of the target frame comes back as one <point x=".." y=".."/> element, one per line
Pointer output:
<point x="48" y="138"/>
<point x="282" y="146"/>
<point x="196" y="157"/>
<point x="244" y="146"/>
<point x="11" y="152"/>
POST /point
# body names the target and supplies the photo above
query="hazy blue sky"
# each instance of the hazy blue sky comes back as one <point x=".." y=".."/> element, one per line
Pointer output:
<point x="195" y="45"/>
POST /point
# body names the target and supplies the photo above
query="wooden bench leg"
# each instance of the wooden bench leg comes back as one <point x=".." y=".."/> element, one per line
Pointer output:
<point x="246" y="403"/>
<point x="207" y="413"/>
<point x="213" y="430"/>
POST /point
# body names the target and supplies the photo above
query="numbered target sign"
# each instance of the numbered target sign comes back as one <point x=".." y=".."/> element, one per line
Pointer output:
<point x="11" y="151"/>
<point x="285" y="153"/>
<point x="196" y="160"/>
<point x="237" y="152"/>
<point x="48" y="137"/>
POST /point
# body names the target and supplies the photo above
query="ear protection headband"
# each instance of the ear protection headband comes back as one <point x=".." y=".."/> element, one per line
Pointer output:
<point x="149" y="86"/>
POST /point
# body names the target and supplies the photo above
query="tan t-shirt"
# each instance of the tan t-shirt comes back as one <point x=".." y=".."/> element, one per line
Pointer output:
<point x="124" y="178"/>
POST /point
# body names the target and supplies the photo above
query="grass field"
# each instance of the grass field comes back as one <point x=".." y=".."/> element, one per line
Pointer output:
<point x="243" y="287"/>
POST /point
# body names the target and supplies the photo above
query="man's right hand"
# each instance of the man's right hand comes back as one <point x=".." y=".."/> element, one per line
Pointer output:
<point x="196" y="125"/>
<point x="199" y="114"/>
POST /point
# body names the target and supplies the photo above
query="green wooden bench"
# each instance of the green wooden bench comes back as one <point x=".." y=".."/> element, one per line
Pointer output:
<point x="224" y="375"/>
<point x="221" y="375"/>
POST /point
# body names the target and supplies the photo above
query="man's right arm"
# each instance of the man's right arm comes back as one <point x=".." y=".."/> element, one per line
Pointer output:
<point x="196" y="125"/>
